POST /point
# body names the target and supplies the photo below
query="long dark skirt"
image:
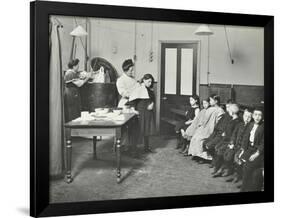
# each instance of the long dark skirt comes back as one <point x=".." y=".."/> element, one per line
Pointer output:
<point x="146" y="120"/>
<point x="72" y="103"/>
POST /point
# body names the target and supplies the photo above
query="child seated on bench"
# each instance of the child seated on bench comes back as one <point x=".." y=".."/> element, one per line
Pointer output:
<point x="221" y="147"/>
<point x="252" y="150"/>
<point x="232" y="152"/>
<point x="190" y="114"/>
<point x="197" y="122"/>
<point x="216" y="136"/>
<point x="212" y="116"/>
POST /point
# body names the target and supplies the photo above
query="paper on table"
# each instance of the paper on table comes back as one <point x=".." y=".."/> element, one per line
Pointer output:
<point x="120" y="117"/>
<point x="108" y="117"/>
<point x="84" y="119"/>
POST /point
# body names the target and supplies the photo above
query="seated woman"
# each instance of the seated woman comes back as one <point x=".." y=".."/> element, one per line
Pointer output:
<point x="73" y="81"/>
<point x="212" y="116"/>
<point x="190" y="114"/>
<point x="197" y="122"/>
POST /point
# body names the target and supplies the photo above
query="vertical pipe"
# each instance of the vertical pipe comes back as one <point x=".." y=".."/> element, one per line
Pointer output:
<point x="135" y="47"/>
<point x="208" y="62"/>
<point x="72" y="48"/>
<point x="86" y="47"/>
<point x="90" y="41"/>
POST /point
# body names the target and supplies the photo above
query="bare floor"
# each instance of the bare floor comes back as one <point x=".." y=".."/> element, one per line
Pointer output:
<point x="163" y="173"/>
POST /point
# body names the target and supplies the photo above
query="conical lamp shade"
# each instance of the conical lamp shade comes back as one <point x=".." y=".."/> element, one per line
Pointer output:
<point x="203" y="30"/>
<point x="79" y="31"/>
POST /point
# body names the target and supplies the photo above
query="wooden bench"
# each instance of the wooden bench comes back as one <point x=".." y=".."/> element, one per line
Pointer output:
<point x="172" y="120"/>
<point x="169" y="121"/>
<point x="178" y="111"/>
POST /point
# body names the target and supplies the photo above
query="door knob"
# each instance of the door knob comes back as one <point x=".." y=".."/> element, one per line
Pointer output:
<point x="164" y="98"/>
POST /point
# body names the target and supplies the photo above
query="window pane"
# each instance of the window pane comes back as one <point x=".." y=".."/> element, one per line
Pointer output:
<point x="186" y="71"/>
<point x="171" y="71"/>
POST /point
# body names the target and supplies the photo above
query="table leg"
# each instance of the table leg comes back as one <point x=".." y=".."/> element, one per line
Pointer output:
<point x="118" y="156"/>
<point x="94" y="147"/>
<point x="69" y="178"/>
<point x="114" y="145"/>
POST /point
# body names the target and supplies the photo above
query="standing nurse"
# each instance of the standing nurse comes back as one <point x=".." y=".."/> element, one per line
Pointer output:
<point x="126" y="82"/>
<point x="125" y="85"/>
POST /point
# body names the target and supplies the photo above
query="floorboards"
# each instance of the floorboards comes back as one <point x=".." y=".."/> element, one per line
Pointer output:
<point x="163" y="173"/>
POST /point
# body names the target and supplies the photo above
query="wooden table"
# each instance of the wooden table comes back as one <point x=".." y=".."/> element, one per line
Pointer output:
<point x="97" y="128"/>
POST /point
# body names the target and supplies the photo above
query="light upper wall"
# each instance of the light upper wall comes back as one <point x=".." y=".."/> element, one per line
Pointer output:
<point x="114" y="40"/>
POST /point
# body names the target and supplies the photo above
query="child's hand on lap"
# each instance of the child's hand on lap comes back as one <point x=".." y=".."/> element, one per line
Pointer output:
<point x="184" y="135"/>
<point x="150" y="106"/>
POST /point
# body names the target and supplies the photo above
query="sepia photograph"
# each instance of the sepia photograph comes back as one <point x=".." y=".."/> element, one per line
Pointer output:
<point x="146" y="109"/>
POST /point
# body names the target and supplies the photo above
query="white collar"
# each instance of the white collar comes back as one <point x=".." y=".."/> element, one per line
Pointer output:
<point x="125" y="75"/>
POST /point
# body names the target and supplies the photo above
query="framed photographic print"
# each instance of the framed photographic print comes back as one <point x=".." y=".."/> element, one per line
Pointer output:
<point x="141" y="109"/>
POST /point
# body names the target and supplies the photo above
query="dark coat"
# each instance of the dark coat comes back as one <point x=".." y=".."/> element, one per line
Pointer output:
<point x="216" y="136"/>
<point x="258" y="142"/>
<point x="237" y="135"/>
<point x="251" y="166"/>
<point x="258" y="138"/>
<point x="229" y="129"/>
<point x="221" y="147"/>
<point x="72" y="96"/>
<point x="236" y="140"/>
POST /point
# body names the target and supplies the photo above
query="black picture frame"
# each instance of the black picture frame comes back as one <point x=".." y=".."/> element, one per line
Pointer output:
<point x="39" y="107"/>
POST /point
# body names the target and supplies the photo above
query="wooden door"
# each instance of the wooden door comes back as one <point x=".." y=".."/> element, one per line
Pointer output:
<point x="178" y="81"/>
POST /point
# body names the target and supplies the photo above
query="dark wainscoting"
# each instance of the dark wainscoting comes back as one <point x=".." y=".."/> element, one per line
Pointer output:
<point x="246" y="95"/>
<point x="249" y="95"/>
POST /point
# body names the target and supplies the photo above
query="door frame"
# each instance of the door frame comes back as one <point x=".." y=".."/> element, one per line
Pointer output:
<point x="159" y="79"/>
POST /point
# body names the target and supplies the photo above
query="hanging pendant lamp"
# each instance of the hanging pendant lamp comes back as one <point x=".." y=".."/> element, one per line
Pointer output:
<point x="79" y="31"/>
<point x="203" y="30"/>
